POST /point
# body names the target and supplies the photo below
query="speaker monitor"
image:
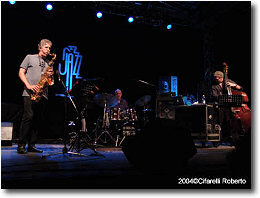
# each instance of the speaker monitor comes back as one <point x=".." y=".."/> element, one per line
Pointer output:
<point x="6" y="133"/>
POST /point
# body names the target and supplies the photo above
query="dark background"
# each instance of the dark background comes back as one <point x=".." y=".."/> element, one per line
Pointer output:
<point x="122" y="53"/>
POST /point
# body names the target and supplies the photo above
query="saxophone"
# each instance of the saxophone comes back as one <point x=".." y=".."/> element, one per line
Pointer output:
<point x="44" y="82"/>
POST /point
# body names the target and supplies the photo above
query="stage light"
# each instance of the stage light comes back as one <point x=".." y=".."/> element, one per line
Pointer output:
<point x="99" y="14"/>
<point x="12" y="2"/>
<point x="131" y="19"/>
<point x="49" y="6"/>
<point x="169" y="27"/>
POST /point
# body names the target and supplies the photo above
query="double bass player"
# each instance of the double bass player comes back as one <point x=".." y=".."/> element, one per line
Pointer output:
<point x="233" y="120"/>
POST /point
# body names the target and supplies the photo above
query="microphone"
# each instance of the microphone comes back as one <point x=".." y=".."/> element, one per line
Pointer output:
<point x="58" y="74"/>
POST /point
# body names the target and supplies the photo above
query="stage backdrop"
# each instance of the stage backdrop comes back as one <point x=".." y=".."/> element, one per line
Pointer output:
<point x="118" y="51"/>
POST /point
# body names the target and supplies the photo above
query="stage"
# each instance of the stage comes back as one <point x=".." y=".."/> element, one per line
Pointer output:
<point x="111" y="170"/>
<point x="164" y="74"/>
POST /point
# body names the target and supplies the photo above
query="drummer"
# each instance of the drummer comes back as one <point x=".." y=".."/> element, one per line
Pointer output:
<point x="121" y="103"/>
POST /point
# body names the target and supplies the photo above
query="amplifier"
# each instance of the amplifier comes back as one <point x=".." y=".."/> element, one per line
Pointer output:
<point x="165" y="105"/>
<point x="202" y="120"/>
<point x="6" y="133"/>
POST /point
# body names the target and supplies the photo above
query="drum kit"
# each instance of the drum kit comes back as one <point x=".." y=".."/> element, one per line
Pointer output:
<point x="115" y="121"/>
<point x="113" y="124"/>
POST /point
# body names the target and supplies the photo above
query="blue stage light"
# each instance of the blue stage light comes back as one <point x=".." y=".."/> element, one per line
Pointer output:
<point x="169" y="27"/>
<point x="131" y="19"/>
<point x="99" y="14"/>
<point x="49" y="6"/>
<point x="12" y="2"/>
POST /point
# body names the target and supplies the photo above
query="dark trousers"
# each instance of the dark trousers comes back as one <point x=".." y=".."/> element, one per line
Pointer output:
<point x="225" y="116"/>
<point x="32" y="119"/>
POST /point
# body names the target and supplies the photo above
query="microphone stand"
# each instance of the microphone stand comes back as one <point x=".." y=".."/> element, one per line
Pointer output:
<point x="75" y="142"/>
<point x="147" y="83"/>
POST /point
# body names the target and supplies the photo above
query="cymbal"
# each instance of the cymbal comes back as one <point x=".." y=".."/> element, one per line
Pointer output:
<point x="143" y="100"/>
<point x="109" y="99"/>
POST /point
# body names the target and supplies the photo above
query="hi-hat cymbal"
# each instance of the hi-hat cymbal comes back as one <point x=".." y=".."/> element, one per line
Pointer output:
<point x="105" y="98"/>
<point x="143" y="100"/>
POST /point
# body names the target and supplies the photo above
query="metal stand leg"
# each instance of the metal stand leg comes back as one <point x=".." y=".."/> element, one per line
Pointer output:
<point x="117" y="137"/>
<point x="105" y="132"/>
<point x="75" y="142"/>
<point x="122" y="140"/>
<point x="78" y="144"/>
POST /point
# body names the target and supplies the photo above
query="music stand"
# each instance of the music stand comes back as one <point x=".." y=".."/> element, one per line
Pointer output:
<point x="230" y="100"/>
<point x="105" y="125"/>
<point x="76" y="141"/>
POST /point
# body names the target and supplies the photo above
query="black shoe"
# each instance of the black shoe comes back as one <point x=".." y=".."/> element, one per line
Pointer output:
<point x="34" y="149"/>
<point x="21" y="149"/>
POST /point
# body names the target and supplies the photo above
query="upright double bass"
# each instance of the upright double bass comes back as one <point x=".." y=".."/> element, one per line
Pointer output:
<point x="241" y="116"/>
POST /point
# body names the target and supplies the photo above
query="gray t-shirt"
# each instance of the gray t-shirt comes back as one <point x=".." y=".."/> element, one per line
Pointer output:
<point x="35" y="66"/>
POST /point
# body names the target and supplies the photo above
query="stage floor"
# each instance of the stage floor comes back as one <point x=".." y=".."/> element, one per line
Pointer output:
<point x="109" y="170"/>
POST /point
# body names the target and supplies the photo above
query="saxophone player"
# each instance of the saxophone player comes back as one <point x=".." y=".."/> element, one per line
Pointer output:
<point x="30" y="72"/>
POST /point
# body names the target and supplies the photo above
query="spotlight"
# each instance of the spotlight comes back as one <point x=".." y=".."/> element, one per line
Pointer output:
<point x="169" y="27"/>
<point x="99" y="14"/>
<point x="131" y="19"/>
<point x="49" y="6"/>
<point x="12" y="2"/>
